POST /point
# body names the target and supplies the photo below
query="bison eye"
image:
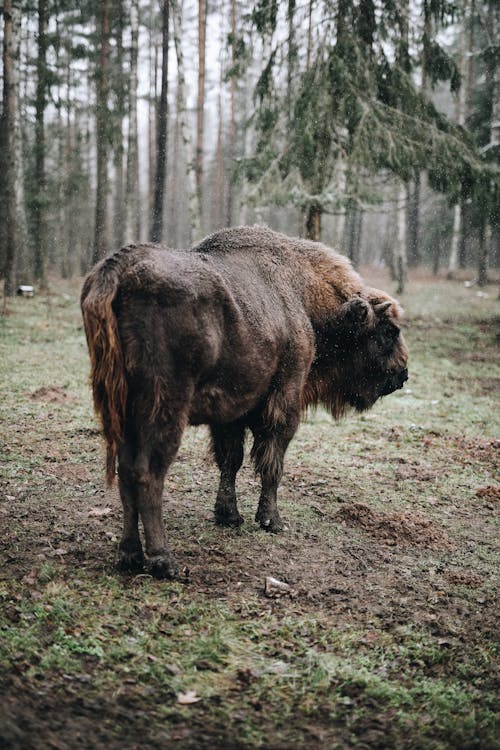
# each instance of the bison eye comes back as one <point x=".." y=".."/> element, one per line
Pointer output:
<point x="386" y="337"/>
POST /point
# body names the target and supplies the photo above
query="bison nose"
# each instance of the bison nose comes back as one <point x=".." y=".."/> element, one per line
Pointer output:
<point x="402" y="377"/>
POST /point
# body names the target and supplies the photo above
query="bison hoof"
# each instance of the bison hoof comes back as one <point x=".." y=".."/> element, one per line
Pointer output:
<point x="273" y="524"/>
<point x="162" y="566"/>
<point x="233" y="520"/>
<point x="131" y="562"/>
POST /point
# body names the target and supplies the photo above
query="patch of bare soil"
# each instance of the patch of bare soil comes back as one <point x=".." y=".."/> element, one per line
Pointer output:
<point x="52" y="394"/>
<point x="396" y="529"/>
<point x="478" y="448"/>
<point x="56" y="719"/>
<point x="463" y="578"/>
<point x="491" y="492"/>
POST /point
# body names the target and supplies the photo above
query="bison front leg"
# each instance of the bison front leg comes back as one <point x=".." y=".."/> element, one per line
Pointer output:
<point x="268" y="453"/>
<point x="227" y="443"/>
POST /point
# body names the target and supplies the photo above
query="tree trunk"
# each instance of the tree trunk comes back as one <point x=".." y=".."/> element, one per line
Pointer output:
<point x="462" y="106"/>
<point x="455" y="240"/>
<point x="292" y="53"/>
<point x="132" y="222"/>
<point x="40" y="190"/>
<point x="413" y="250"/>
<point x="313" y="223"/>
<point x="232" y="118"/>
<point x="102" y="125"/>
<point x="11" y="18"/>
<point x="194" y="217"/>
<point x="119" y="209"/>
<point x="161" y="134"/>
<point x="484" y="242"/>
<point x="152" y="109"/>
<point x="219" y="166"/>
<point x="200" y="110"/>
<point x="400" y="254"/>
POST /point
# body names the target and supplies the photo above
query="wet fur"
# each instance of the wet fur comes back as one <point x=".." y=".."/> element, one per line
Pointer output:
<point x="243" y="331"/>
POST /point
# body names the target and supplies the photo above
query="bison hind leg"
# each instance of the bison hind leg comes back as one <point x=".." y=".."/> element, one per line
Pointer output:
<point x="227" y="444"/>
<point x="142" y="464"/>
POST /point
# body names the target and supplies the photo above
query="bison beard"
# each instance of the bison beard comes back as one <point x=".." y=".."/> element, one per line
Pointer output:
<point x="242" y="332"/>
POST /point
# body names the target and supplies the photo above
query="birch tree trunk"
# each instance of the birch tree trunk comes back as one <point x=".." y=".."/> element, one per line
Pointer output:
<point x="101" y="241"/>
<point x="161" y="133"/>
<point x="194" y="217"/>
<point x="132" y="221"/>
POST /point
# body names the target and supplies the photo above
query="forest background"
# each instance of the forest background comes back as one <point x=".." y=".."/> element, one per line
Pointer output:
<point x="373" y="125"/>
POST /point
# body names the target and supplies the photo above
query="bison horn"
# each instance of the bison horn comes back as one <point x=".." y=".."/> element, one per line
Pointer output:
<point x="382" y="307"/>
<point x="357" y="310"/>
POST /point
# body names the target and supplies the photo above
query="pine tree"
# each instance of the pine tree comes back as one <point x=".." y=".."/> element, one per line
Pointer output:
<point x="355" y="103"/>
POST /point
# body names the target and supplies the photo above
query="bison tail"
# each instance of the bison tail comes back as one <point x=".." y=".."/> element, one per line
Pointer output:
<point x="107" y="374"/>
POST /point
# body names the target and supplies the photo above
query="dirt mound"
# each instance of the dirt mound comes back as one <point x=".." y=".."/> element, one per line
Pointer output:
<point x="463" y="578"/>
<point x="491" y="492"/>
<point x="395" y="528"/>
<point x="52" y="394"/>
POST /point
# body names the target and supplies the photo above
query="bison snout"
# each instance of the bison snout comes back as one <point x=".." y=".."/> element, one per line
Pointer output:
<point x="395" y="381"/>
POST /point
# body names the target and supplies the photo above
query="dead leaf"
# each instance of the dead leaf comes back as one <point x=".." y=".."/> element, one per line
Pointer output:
<point x="99" y="512"/>
<point x="190" y="696"/>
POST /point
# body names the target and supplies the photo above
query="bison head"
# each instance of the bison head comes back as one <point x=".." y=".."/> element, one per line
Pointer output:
<point x="371" y="350"/>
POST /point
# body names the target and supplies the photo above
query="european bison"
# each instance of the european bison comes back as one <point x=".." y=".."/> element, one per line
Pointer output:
<point x="244" y="331"/>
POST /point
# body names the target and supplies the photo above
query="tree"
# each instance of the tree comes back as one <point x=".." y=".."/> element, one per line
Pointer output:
<point x="101" y="240"/>
<point x="120" y="97"/>
<point x="12" y="183"/>
<point x="132" y="215"/>
<point x="161" y="130"/>
<point x="462" y="108"/>
<point x="40" y="187"/>
<point x="356" y="103"/>
<point x="200" y="109"/>
<point x="194" y="216"/>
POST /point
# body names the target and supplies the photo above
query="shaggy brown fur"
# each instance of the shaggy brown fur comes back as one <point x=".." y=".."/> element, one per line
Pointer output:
<point x="242" y="332"/>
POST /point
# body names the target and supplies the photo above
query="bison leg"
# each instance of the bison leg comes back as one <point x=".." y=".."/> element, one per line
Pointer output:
<point x="141" y="474"/>
<point x="227" y="442"/>
<point x="268" y="453"/>
<point x="130" y="554"/>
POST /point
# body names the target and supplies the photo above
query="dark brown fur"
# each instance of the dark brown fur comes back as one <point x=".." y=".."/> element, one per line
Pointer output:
<point x="244" y="331"/>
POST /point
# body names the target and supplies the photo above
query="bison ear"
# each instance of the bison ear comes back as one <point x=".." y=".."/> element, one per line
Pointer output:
<point x="381" y="308"/>
<point x="356" y="310"/>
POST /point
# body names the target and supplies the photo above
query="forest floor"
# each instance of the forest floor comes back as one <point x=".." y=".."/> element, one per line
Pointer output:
<point x="387" y="635"/>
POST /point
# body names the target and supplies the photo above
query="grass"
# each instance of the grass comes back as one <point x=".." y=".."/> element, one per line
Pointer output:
<point x="388" y="635"/>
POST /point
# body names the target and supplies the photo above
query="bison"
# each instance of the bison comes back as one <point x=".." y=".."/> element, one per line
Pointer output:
<point x="242" y="332"/>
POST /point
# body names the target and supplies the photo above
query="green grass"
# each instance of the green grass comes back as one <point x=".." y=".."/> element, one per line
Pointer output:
<point x="381" y="642"/>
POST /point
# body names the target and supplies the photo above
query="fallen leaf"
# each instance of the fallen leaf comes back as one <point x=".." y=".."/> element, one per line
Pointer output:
<point x="99" y="512"/>
<point x="185" y="699"/>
